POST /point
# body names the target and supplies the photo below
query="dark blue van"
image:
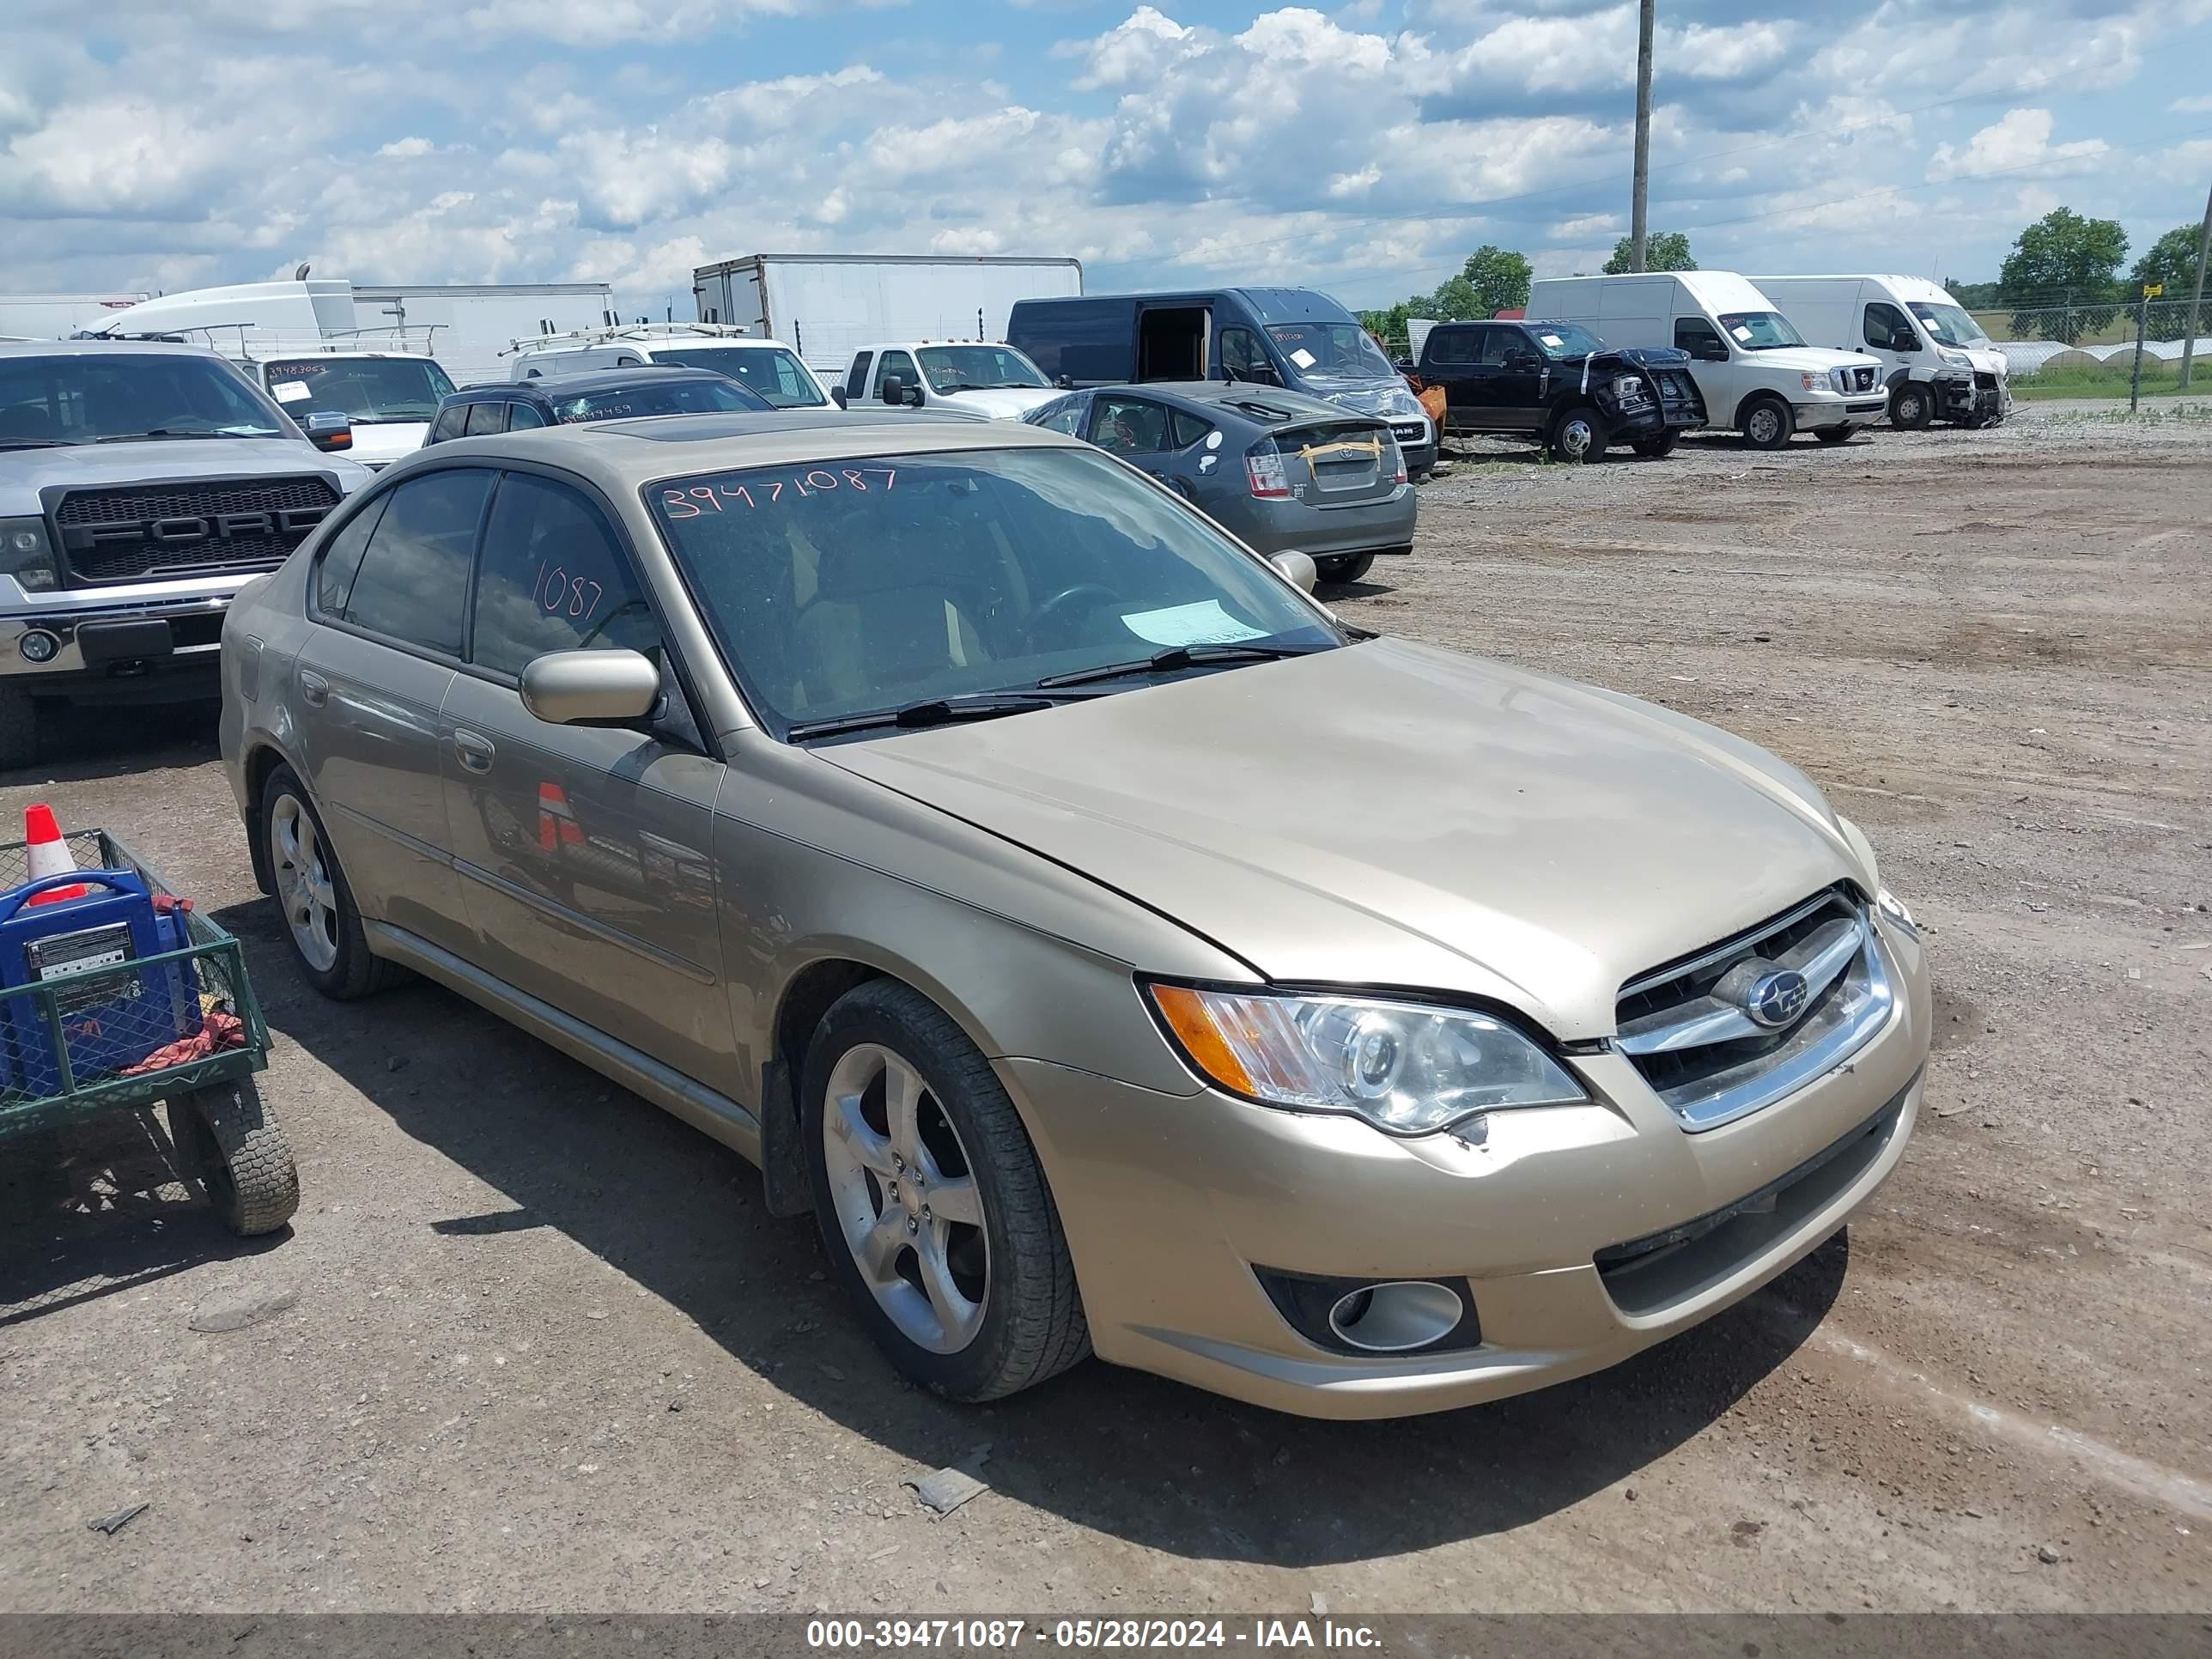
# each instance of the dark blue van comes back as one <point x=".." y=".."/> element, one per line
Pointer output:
<point x="1285" y="337"/>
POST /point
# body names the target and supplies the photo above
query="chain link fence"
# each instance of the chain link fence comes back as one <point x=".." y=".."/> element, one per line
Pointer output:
<point x="2105" y="324"/>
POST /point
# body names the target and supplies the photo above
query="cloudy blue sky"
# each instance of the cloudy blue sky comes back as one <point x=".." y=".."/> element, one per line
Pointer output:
<point x="1362" y="146"/>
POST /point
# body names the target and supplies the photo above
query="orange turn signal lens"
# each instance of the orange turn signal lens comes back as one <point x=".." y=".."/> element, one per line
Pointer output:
<point x="1192" y="1022"/>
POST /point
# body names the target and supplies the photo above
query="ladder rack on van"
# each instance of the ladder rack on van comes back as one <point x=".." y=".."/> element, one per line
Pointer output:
<point x="249" y="343"/>
<point x="620" y="331"/>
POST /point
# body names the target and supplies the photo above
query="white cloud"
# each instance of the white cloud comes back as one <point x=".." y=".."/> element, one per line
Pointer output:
<point x="2021" y="139"/>
<point x="406" y="150"/>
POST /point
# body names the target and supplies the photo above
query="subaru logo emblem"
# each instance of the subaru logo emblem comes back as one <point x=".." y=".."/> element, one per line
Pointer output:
<point x="1775" y="999"/>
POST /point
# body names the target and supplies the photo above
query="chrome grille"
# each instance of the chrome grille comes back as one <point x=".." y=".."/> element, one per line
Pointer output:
<point x="1712" y="1050"/>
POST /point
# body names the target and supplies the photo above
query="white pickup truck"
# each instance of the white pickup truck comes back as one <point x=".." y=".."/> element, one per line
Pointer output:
<point x="972" y="377"/>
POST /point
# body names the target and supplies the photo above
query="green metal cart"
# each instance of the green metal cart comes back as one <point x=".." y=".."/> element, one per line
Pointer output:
<point x="195" y="1043"/>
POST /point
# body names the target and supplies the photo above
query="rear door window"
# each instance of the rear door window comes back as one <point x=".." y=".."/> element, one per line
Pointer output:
<point x="485" y="418"/>
<point x="449" y="421"/>
<point x="341" y="557"/>
<point x="554" y="577"/>
<point x="1187" y="429"/>
<point x="1455" y="345"/>
<point x="413" y="583"/>
<point x="856" y="378"/>
<point x="520" y="417"/>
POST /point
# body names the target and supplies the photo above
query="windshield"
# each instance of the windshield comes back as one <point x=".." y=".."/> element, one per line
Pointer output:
<point x="977" y="368"/>
<point x="1333" y="351"/>
<point x="113" y="395"/>
<point x="656" y="398"/>
<point x="1949" y="325"/>
<point x="855" y="586"/>
<point x="770" y="371"/>
<point x="1561" y="340"/>
<point x="1760" y="330"/>
<point x="369" y="389"/>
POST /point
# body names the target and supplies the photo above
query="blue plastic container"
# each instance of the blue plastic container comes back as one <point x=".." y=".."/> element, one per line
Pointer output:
<point x="113" y="1013"/>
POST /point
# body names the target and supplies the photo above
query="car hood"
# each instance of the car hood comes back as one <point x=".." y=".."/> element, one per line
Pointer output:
<point x="25" y="473"/>
<point x="1986" y="359"/>
<point x="1390" y="398"/>
<point x="1818" y="359"/>
<point x="1392" y="815"/>
<point x="1002" y="403"/>
<point x="379" y="443"/>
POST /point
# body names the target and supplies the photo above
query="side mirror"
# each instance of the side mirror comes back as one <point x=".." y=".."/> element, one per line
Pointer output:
<point x="899" y="394"/>
<point x="1065" y="382"/>
<point x="1710" y="351"/>
<point x="590" y="688"/>
<point x="1299" y="567"/>
<point x="837" y="396"/>
<point x="328" y="429"/>
<point x="1521" y="362"/>
<point x="1904" y="340"/>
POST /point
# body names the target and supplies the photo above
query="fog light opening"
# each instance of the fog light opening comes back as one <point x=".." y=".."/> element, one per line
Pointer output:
<point x="1394" y="1317"/>
<point x="39" y="645"/>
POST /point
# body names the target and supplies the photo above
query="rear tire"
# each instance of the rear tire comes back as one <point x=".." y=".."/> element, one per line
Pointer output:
<point x="230" y="1140"/>
<point x="19" y="729"/>
<point x="1833" y="435"/>
<point x="1768" y="424"/>
<point x="1578" y="436"/>
<point x="1657" y="449"/>
<point x="1344" y="569"/>
<point x="973" y="1305"/>
<point x="322" y="924"/>
<point x="1910" y="407"/>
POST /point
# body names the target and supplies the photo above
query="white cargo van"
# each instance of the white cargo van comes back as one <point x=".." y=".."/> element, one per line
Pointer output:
<point x="1754" y="371"/>
<point x="1937" y="365"/>
<point x="767" y="367"/>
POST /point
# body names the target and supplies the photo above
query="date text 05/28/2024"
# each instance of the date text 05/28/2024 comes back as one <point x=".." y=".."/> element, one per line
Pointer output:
<point x="1010" y="1635"/>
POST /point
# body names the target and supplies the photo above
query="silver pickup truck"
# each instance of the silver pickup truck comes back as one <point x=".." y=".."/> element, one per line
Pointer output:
<point x="142" y="485"/>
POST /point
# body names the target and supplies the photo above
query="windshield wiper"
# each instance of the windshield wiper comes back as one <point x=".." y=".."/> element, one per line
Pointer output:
<point x="930" y="711"/>
<point x="38" y="443"/>
<point x="960" y="385"/>
<point x="1180" y="656"/>
<point x="166" y="432"/>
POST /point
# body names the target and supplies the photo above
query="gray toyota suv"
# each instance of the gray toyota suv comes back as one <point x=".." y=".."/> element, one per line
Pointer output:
<point x="141" y="486"/>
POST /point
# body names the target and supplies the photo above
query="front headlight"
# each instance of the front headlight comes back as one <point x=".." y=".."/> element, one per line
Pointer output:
<point x="1893" y="910"/>
<point x="1955" y="359"/>
<point x="1814" y="380"/>
<point x="1409" y="1068"/>
<point x="27" y="555"/>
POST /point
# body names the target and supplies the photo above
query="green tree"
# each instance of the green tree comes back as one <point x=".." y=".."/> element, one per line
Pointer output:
<point x="2170" y="261"/>
<point x="2058" y="277"/>
<point x="1664" y="250"/>
<point x="1498" y="277"/>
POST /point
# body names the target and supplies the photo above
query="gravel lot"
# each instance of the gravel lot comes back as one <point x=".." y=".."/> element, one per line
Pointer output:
<point x="548" y="1352"/>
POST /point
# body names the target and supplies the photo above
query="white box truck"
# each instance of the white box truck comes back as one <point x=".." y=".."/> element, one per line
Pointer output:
<point x="1754" y="371"/>
<point x="830" y="305"/>
<point x="1937" y="365"/>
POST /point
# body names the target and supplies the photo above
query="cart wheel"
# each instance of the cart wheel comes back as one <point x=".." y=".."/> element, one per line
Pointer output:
<point x="232" y="1141"/>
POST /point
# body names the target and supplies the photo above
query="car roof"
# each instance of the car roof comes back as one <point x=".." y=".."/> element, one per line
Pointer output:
<point x="578" y="382"/>
<point x="113" y="348"/>
<point x="1250" y="400"/>
<point x="620" y="456"/>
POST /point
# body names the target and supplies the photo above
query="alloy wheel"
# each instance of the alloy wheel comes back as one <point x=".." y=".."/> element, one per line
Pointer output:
<point x="304" y="886"/>
<point x="906" y="1199"/>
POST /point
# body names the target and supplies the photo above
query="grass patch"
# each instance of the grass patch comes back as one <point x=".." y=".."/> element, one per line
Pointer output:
<point x="2111" y="380"/>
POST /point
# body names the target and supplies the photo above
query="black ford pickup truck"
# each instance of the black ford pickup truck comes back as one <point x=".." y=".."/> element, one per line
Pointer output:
<point x="1559" y="383"/>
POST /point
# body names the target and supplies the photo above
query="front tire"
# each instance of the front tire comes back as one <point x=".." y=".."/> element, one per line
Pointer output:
<point x="1910" y="407"/>
<point x="1833" y="435"/>
<point x="1657" y="449"/>
<point x="1578" y="436"/>
<point x="1344" y="567"/>
<point x="932" y="1208"/>
<point x="321" y="922"/>
<point x="1768" y="424"/>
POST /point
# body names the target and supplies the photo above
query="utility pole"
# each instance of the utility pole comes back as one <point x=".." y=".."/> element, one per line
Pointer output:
<point x="1639" y="226"/>
<point x="2196" y="293"/>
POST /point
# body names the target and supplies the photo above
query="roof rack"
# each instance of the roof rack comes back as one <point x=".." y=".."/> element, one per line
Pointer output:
<point x="608" y="336"/>
<point x="248" y="342"/>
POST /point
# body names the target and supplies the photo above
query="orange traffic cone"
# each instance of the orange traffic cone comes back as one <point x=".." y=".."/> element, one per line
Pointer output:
<point x="48" y="854"/>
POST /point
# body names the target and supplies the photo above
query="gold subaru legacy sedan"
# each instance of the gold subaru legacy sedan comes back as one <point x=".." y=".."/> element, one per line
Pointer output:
<point x="1114" y="950"/>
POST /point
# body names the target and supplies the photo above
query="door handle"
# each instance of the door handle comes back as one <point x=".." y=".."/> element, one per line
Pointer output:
<point x="315" y="688"/>
<point x="476" y="752"/>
